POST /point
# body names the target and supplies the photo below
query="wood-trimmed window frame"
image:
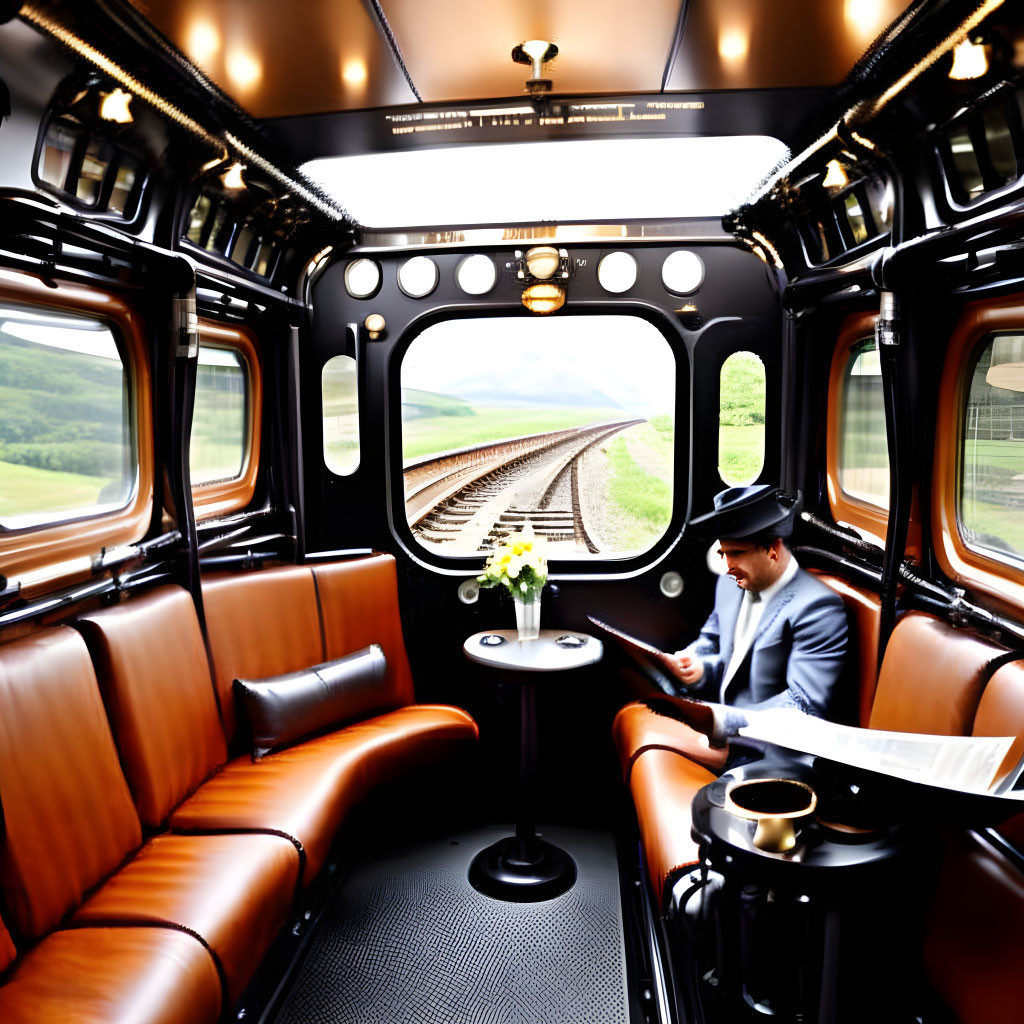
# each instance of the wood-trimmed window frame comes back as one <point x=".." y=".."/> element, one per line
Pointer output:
<point x="35" y="548"/>
<point x="968" y="566"/>
<point x="220" y="497"/>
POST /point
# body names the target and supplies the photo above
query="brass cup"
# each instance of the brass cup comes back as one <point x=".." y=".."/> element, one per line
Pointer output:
<point x="777" y="805"/>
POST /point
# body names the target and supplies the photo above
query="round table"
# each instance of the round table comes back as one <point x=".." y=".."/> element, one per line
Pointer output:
<point x="525" y="868"/>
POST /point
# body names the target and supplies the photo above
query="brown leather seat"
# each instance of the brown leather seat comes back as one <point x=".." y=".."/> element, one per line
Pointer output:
<point x="70" y="822"/>
<point x="932" y="677"/>
<point x="663" y="785"/>
<point x="113" y="976"/>
<point x="161" y="702"/>
<point x="863" y="615"/>
<point x="637" y="728"/>
<point x="305" y="791"/>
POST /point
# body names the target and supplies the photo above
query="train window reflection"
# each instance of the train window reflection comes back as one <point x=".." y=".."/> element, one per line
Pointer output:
<point x="992" y="475"/>
<point x="57" y="150"/>
<point x="66" y="441"/>
<point x="219" y="422"/>
<point x="340" y="396"/>
<point x="741" y="419"/>
<point x="965" y="164"/>
<point x="565" y="423"/>
<point x="863" y="446"/>
<point x="1000" y="144"/>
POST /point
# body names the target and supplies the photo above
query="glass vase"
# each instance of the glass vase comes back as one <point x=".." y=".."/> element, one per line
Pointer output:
<point x="527" y="615"/>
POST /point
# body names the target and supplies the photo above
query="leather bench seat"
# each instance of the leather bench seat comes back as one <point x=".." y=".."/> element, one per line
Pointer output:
<point x="71" y="826"/>
<point x="113" y="976"/>
<point x="157" y="685"/>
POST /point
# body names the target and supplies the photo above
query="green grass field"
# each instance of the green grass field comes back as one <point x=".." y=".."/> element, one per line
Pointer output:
<point x="427" y="435"/>
<point x="643" y="499"/>
<point x="740" y="453"/>
<point x="25" y="489"/>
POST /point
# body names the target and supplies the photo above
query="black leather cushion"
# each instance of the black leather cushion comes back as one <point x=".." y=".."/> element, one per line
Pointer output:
<point x="283" y="709"/>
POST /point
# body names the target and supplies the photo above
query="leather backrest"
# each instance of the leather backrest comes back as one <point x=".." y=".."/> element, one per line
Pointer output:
<point x="260" y="624"/>
<point x="932" y="677"/>
<point x="359" y="605"/>
<point x="155" y="680"/>
<point x="863" y="614"/>
<point x="1001" y="710"/>
<point x="8" y="953"/>
<point x="69" y="818"/>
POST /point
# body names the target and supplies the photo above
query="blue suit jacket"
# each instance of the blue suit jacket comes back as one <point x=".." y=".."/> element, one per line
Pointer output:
<point x="797" y="654"/>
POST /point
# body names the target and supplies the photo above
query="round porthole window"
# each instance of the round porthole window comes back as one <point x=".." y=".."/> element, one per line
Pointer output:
<point x="617" y="272"/>
<point x="682" y="272"/>
<point x="417" y="277"/>
<point x="362" y="278"/>
<point x="476" y="275"/>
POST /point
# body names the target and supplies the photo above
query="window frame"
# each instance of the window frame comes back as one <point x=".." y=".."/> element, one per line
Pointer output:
<point x="219" y="497"/>
<point x="968" y="566"/>
<point x="69" y="538"/>
<point x="847" y="508"/>
<point x="597" y="567"/>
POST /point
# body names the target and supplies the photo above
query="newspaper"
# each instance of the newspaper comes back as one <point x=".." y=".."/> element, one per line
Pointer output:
<point x="971" y="764"/>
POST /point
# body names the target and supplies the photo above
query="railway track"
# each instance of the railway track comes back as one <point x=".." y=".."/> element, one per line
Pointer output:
<point x="472" y="504"/>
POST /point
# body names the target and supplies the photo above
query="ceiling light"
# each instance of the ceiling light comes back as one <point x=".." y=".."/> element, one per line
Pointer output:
<point x="232" y="177"/>
<point x="354" y="71"/>
<point x="543" y="262"/>
<point x="243" y="69"/>
<point x="733" y="44"/>
<point x="536" y="53"/>
<point x="543" y="298"/>
<point x="835" y="176"/>
<point x="969" y="61"/>
<point x="863" y="16"/>
<point x="114" y="106"/>
<point x="202" y="41"/>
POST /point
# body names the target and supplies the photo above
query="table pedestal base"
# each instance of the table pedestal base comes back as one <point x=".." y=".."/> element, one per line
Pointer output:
<point x="522" y="870"/>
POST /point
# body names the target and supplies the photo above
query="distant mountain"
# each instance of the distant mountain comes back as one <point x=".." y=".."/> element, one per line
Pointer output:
<point x="534" y="389"/>
<point x="417" y="404"/>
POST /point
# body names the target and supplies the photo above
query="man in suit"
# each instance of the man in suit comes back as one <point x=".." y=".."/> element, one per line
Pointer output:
<point x="777" y="636"/>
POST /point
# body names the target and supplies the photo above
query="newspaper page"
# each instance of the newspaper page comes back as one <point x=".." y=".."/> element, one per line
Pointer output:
<point x="967" y="763"/>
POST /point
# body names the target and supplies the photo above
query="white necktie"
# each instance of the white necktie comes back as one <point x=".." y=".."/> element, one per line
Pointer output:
<point x="746" y="625"/>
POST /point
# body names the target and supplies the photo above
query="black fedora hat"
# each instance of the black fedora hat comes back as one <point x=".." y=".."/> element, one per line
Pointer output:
<point x="741" y="512"/>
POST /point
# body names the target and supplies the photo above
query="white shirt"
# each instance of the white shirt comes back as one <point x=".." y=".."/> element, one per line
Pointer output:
<point x="747" y="620"/>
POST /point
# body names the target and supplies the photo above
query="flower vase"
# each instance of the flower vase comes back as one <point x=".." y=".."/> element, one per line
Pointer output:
<point x="527" y="615"/>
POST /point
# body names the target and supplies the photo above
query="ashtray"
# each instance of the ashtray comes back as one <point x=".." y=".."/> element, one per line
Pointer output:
<point x="571" y="641"/>
<point x="491" y="640"/>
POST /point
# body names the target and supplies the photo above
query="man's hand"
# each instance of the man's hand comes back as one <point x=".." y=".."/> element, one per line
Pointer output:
<point x="690" y="670"/>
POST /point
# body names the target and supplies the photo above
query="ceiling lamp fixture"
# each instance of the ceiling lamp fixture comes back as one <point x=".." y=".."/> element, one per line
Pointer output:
<point x="970" y="60"/>
<point x="543" y="298"/>
<point x="543" y="262"/>
<point x="114" y="106"/>
<point x="835" y="176"/>
<point x="536" y="53"/>
<point x="232" y="177"/>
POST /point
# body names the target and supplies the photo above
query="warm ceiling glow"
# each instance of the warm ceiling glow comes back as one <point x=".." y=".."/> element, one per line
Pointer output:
<point x="232" y="177"/>
<point x="969" y="61"/>
<point x="354" y="71"/>
<point x="114" y="106"/>
<point x="733" y="44"/>
<point x="543" y="298"/>
<point x="243" y="69"/>
<point x="863" y="16"/>
<point x="835" y="176"/>
<point x="202" y="41"/>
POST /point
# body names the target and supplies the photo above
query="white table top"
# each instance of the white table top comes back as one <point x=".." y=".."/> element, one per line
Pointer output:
<point x="540" y="655"/>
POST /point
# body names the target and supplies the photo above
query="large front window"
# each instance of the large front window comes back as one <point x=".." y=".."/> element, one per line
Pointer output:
<point x="565" y="423"/>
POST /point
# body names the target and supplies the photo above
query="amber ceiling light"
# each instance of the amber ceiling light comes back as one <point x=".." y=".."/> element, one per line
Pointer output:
<point x="543" y="298"/>
<point x="536" y="53"/>
<point x="543" y="262"/>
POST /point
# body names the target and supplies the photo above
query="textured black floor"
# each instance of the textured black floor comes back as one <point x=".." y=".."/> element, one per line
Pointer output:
<point x="409" y="941"/>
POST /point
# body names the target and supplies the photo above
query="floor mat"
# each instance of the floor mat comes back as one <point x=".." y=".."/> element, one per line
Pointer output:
<point x="409" y="941"/>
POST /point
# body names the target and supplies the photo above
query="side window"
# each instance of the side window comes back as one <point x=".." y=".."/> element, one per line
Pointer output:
<point x="991" y="479"/>
<point x="863" y="447"/>
<point x="67" y="441"/>
<point x="220" y="435"/>
<point x="741" y="419"/>
<point x="565" y="423"/>
<point x="340" y="398"/>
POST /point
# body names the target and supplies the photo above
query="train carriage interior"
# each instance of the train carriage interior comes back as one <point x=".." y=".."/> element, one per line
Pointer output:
<point x="318" y="318"/>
